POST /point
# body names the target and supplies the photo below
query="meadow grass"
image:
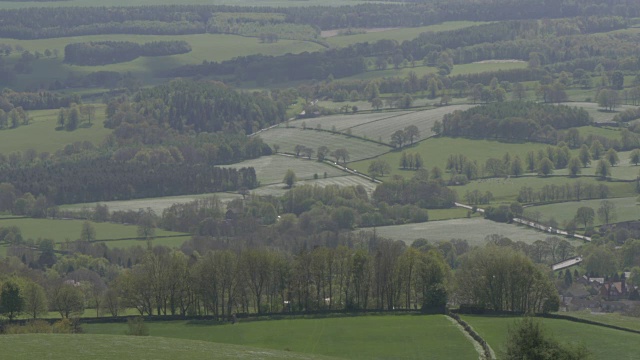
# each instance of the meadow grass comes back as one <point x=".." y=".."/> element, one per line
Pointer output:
<point x="210" y="47"/>
<point x="396" y="34"/>
<point x="474" y="230"/>
<point x="62" y="230"/>
<point x="363" y="337"/>
<point x="626" y="209"/>
<point x="342" y="181"/>
<point x="108" y="347"/>
<point x="610" y="133"/>
<point x="423" y="120"/>
<point x="288" y="138"/>
<point x="603" y="343"/>
<point x="436" y="151"/>
<point x="596" y="112"/>
<point x="506" y="190"/>
<point x="271" y="169"/>
<point x="615" y="319"/>
<point x="42" y="136"/>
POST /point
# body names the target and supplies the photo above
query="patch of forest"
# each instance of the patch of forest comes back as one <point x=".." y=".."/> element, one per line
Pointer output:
<point x="111" y="52"/>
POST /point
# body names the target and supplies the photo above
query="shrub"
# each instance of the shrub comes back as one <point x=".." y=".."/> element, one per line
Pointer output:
<point x="137" y="327"/>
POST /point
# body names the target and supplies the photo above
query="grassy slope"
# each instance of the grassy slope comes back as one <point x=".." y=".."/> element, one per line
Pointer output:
<point x="107" y="347"/>
<point x="41" y="133"/>
<point x="61" y="230"/>
<point x="473" y="230"/>
<point x="435" y="152"/>
<point x="616" y="319"/>
<point x="627" y="209"/>
<point x="288" y="138"/>
<point x="210" y="47"/>
<point x="602" y="342"/>
<point x="397" y="34"/>
<point x="367" y="337"/>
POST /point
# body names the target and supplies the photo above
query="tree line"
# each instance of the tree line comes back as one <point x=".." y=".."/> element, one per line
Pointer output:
<point x="112" y="52"/>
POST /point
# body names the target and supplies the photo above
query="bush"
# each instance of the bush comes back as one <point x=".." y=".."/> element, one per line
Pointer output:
<point x="63" y="326"/>
<point x="137" y="327"/>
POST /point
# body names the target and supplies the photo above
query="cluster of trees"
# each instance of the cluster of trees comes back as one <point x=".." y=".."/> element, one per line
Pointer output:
<point x="577" y="191"/>
<point x="111" y="52"/>
<point x="411" y="161"/>
<point x="514" y="120"/>
<point x="70" y="118"/>
<point x="419" y="191"/>
<point x="199" y="106"/>
<point x="404" y="137"/>
<point x="13" y="118"/>
<point x="10" y="99"/>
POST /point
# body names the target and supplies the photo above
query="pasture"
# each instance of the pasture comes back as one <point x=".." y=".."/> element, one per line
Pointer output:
<point x="596" y="112"/>
<point x="109" y="233"/>
<point x="108" y="347"/>
<point x="271" y="169"/>
<point x="288" y="138"/>
<point x="362" y="337"/>
<point x="345" y="180"/>
<point x="603" y="343"/>
<point x="210" y="47"/>
<point x="610" y="133"/>
<point x="615" y="319"/>
<point x="424" y="120"/>
<point x="626" y="209"/>
<point x="42" y="136"/>
<point x="506" y="190"/>
<point x="474" y="230"/>
<point x="397" y="34"/>
<point x="436" y="151"/>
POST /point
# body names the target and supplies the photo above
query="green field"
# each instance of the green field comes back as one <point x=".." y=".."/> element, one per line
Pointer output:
<point x="270" y="3"/>
<point x="288" y="138"/>
<point x="603" y="343"/>
<point x="108" y="347"/>
<point x="41" y="134"/>
<point x="399" y="35"/>
<point x="474" y="230"/>
<point x="424" y="120"/>
<point x="485" y="66"/>
<point x="506" y="190"/>
<point x="271" y="169"/>
<point x="365" y="337"/>
<point x="436" y="151"/>
<point x="210" y="47"/>
<point x="610" y="133"/>
<point x="62" y="230"/>
<point x="345" y="180"/>
<point x="596" y="112"/>
<point x="615" y="319"/>
<point x="344" y="122"/>
<point x="627" y="209"/>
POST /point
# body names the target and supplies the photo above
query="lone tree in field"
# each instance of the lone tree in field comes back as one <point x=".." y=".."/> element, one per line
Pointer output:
<point x="289" y="178"/>
<point x="341" y="154"/>
<point x="596" y="150"/>
<point x="147" y="224"/>
<point x="11" y="300"/>
<point x="574" y="166"/>
<point x="584" y="155"/>
<point x="607" y="211"/>
<point x="411" y="132"/>
<point x="545" y="167"/>
<point x="603" y="169"/>
<point x="88" y="232"/>
<point x="377" y="103"/>
<point x="35" y="299"/>
<point x="585" y="215"/>
<point x="379" y="167"/>
<point x="634" y="157"/>
<point x="612" y="156"/>
<point x="398" y="138"/>
<point x="322" y="152"/>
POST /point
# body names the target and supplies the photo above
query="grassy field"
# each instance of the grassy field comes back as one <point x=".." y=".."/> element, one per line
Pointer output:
<point x="274" y="3"/>
<point x="424" y="120"/>
<point x="603" y="343"/>
<point x="271" y="169"/>
<point x="62" y="230"/>
<point x="474" y="230"/>
<point x="615" y="319"/>
<point x="399" y="35"/>
<point x="596" y="112"/>
<point x="210" y="47"/>
<point x="344" y="122"/>
<point x="627" y="209"/>
<point x="41" y="134"/>
<point x="107" y="347"/>
<point x="345" y="180"/>
<point x="599" y="131"/>
<point x="506" y="190"/>
<point x="436" y="151"/>
<point x="288" y="138"/>
<point x="366" y="337"/>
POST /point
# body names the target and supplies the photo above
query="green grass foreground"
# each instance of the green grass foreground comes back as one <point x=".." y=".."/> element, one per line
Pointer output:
<point x="603" y="343"/>
<point x="366" y="337"/>
<point x="107" y="347"/>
